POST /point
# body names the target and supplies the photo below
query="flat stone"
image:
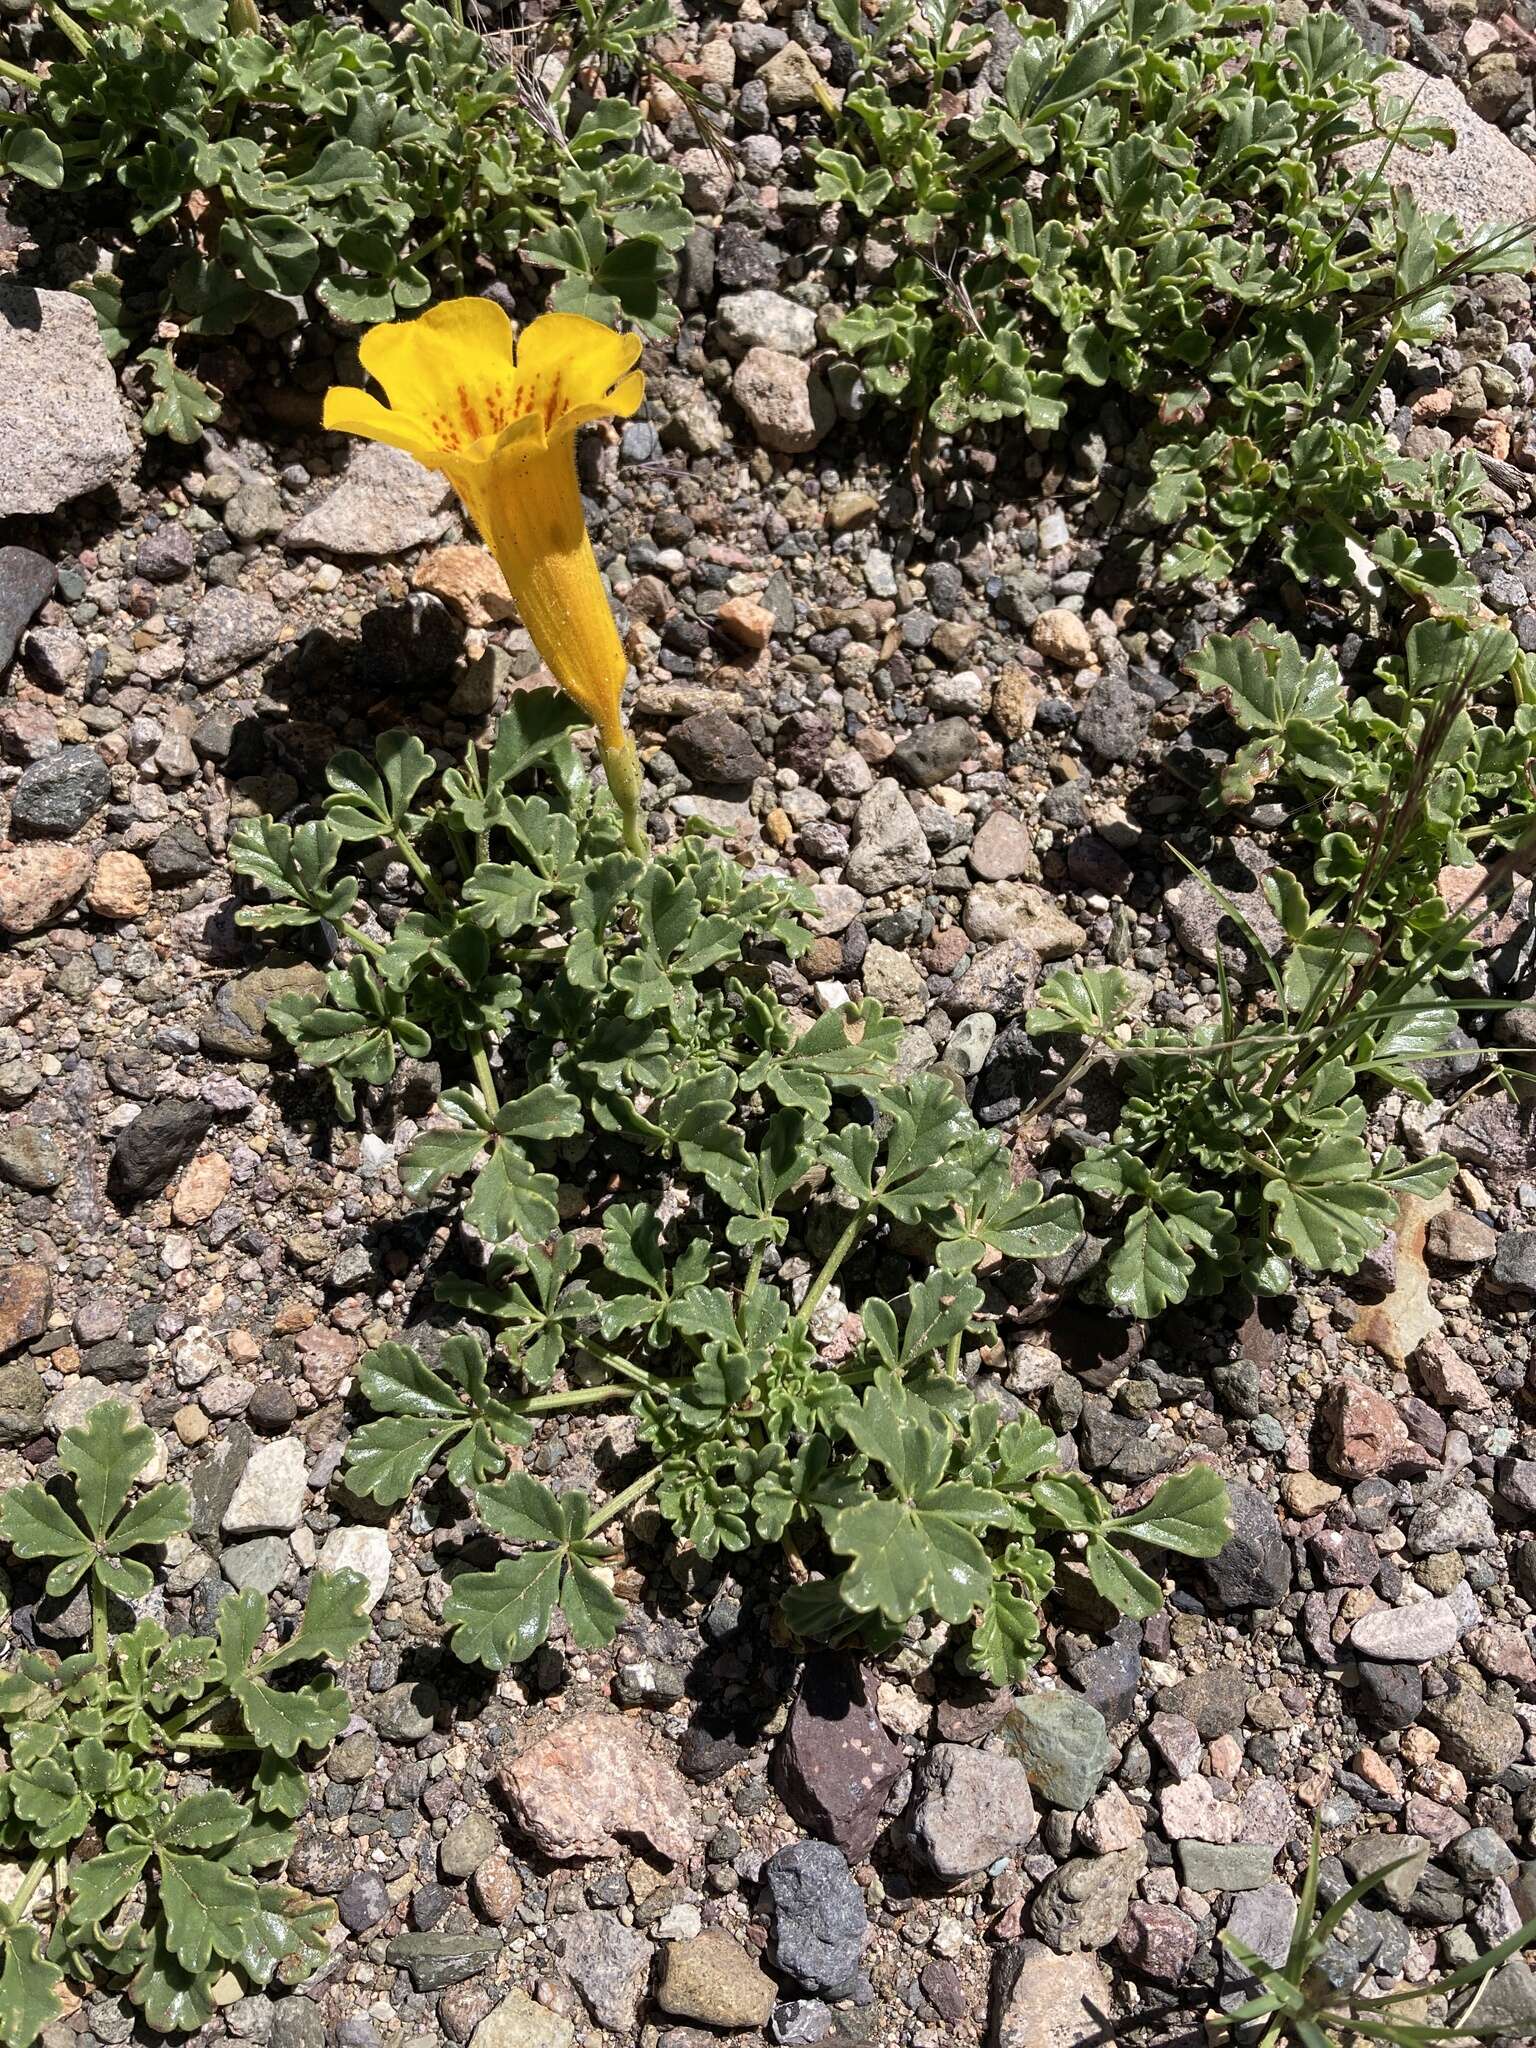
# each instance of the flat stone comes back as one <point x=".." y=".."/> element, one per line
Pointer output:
<point x="1212" y="1867"/>
<point x="26" y="1295"/>
<point x="1415" y="1634"/>
<point x="236" y="1026"/>
<point x="1003" y="849"/>
<point x="936" y="751"/>
<point x="61" y="419"/>
<point x="714" y="749"/>
<point x="1017" y="910"/>
<point x="521" y="2022"/>
<point x="468" y="1844"/>
<point x="23" y="1397"/>
<point x="1061" y="636"/>
<point x="835" y="1764"/>
<point x="1041" y="2000"/>
<point x="710" y="1979"/>
<point x="1476" y="1736"/>
<point x="1114" y="719"/>
<point x="259" y="1565"/>
<point x="1062" y="1742"/>
<point x="385" y="502"/>
<point x="787" y="404"/>
<point x="30" y="1158"/>
<point x="155" y="1146"/>
<point x="271" y="1491"/>
<point x="609" y="1964"/>
<point x="969" y="1808"/>
<point x="1253" y="1568"/>
<point x="589" y="1782"/>
<point x="361" y="1550"/>
<point x="1379" y="1852"/>
<point x="433" y="1961"/>
<point x="764" y="319"/>
<point x="1485" y="180"/>
<point x="889" y="850"/>
<point x="230" y="630"/>
<point x="38" y="883"/>
<point x="1082" y="1903"/>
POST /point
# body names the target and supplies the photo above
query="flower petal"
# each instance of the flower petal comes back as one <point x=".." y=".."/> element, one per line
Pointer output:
<point x="350" y="411"/>
<point x="574" y="369"/>
<point x="451" y="369"/>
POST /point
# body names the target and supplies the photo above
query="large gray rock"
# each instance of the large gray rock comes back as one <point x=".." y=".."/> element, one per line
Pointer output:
<point x="386" y="502"/>
<point x="889" y="849"/>
<point x="61" y="420"/>
<point x="970" y="1807"/>
<point x="1484" y="181"/>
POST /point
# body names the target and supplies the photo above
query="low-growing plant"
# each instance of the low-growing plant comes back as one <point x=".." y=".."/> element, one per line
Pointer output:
<point x="1241" y="1148"/>
<point x="144" y="1875"/>
<point x="620" y="1018"/>
<point x="1313" y="1999"/>
<point x="1153" y="202"/>
<point x="1451" y="719"/>
<point x="233" y="173"/>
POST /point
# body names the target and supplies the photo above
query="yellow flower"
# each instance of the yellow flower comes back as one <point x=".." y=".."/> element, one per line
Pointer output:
<point x="498" y="417"/>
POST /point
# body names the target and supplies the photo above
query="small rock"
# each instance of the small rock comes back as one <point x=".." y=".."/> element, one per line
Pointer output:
<point x="38" y="883"/>
<point x="201" y="1189"/>
<point x="836" y="1765"/>
<point x="1476" y="1736"/>
<point x="434" y="1961"/>
<point x="820" y="1924"/>
<point x="1061" y="636"/>
<point x="364" y="1903"/>
<point x="1253" y="1567"/>
<point x="26" y="1295"/>
<point x="787" y="404"/>
<point x="1158" y="1940"/>
<point x="1041" y="2000"/>
<point x="588" y="1782"/>
<point x="1062" y="1742"/>
<point x="609" y="1964"/>
<point x="794" y="85"/>
<point x="889" y="849"/>
<point x="23" y="1396"/>
<point x="1213" y="1867"/>
<point x="764" y="319"/>
<point x="30" y="1158"/>
<point x="467" y="1845"/>
<point x="520" y="2022"/>
<point x="1366" y="1435"/>
<point x="59" y="795"/>
<point x="1003" y="849"/>
<point x="153" y="1148"/>
<point x="1081" y="1905"/>
<point x="120" y="887"/>
<point x="469" y="579"/>
<point x="361" y="1550"/>
<point x="236" y="1027"/>
<point x="969" y="1808"/>
<point x="385" y="502"/>
<point x="271" y="1490"/>
<point x="708" y="1978"/>
<point x="61" y="418"/>
<point x="26" y="584"/>
<point x="230" y="630"/>
<point x="712" y="748"/>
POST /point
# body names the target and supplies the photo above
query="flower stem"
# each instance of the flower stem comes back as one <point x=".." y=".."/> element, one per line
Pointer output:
<point x="98" y="1619"/>
<point x="621" y="765"/>
<point x="626" y="1499"/>
<point x="835" y="1258"/>
<point x="573" y="1397"/>
<point x="36" y="1872"/>
<point x="483" y="1074"/>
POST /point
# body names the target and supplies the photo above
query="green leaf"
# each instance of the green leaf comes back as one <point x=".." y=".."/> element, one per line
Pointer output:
<point x="32" y="155"/>
<point x="182" y="406"/>
<point x="204" y="1906"/>
<point x="373" y="802"/>
<point x="29" y="1985"/>
<point x="335" y="1621"/>
<point x="1190" y="1513"/>
<point x="1121" y="1581"/>
<point x="1087" y="1003"/>
<point x="103" y="1456"/>
<point x="36" y="1525"/>
<point x="1327" y="1210"/>
<point x="499" y="1617"/>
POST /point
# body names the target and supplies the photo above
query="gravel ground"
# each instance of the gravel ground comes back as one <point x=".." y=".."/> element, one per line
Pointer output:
<point x="966" y="726"/>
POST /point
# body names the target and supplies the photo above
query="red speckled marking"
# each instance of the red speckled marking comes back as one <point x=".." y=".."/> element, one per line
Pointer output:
<point x="480" y="415"/>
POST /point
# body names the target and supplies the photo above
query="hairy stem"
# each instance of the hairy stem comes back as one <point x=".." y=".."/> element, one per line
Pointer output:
<point x="36" y="1872"/>
<point x="573" y="1397"/>
<point x="98" y="1618"/>
<point x="835" y="1258"/>
<point x="625" y="1500"/>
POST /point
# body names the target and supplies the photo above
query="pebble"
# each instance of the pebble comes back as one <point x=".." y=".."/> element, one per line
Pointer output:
<point x="271" y="1490"/>
<point x="820" y="1924"/>
<point x="59" y="795"/>
<point x="969" y="1807"/>
<point x="711" y="1979"/>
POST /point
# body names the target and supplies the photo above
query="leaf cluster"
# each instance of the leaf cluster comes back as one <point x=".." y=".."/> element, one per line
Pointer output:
<point x="1429" y="768"/>
<point x="1313" y="1998"/>
<point x="161" y="1881"/>
<point x="1152" y="202"/>
<point x="240" y="173"/>
<point x="623" y="1021"/>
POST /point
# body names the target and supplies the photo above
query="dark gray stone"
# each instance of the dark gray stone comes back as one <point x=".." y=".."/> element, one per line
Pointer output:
<point x="155" y="1146"/>
<point x="933" y="753"/>
<point x="26" y="584"/>
<point x="820" y="1925"/>
<point x="364" y="1903"/>
<point x="1114" y="719"/>
<point x="434" y="1961"/>
<point x="167" y="554"/>
<point x="1060" y="1739"/>
<point x="1253" y="1569"/>
<point x="60" y="794"/>
<point x="712" y="748"/>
